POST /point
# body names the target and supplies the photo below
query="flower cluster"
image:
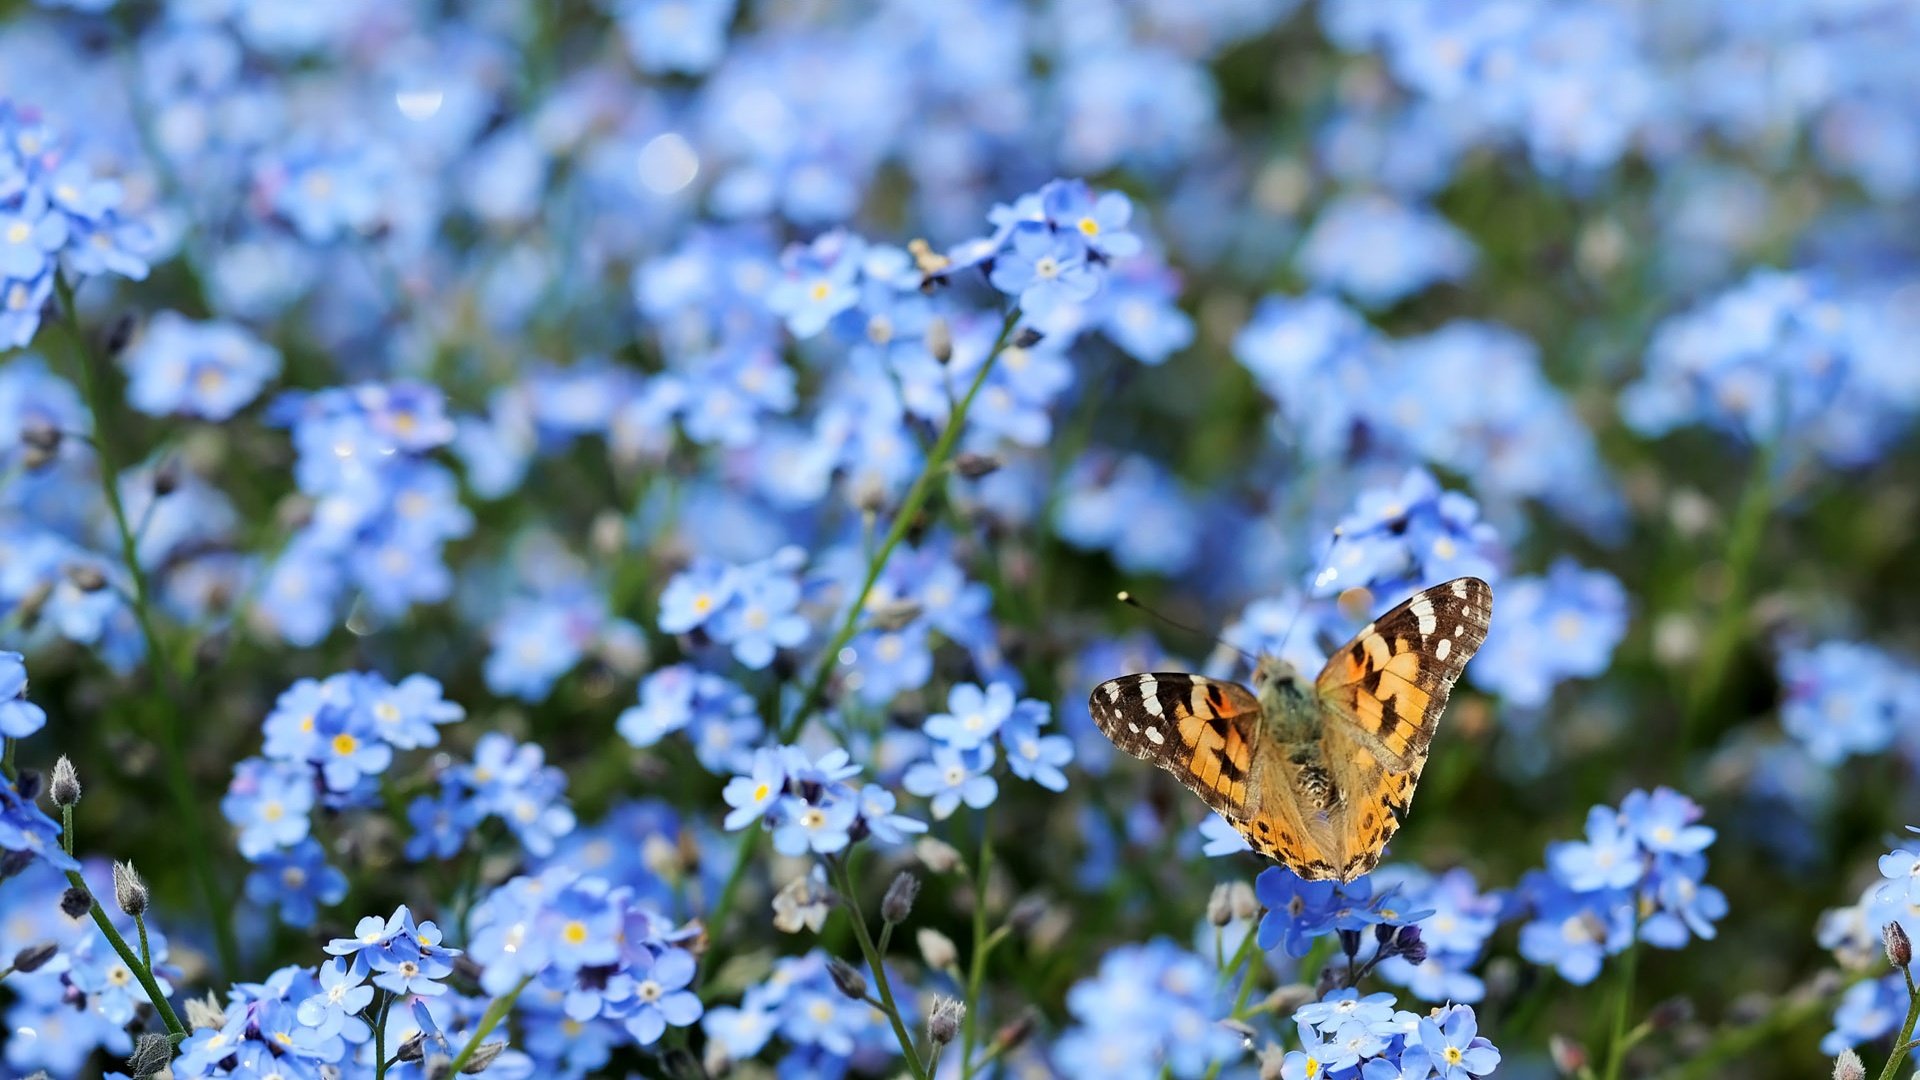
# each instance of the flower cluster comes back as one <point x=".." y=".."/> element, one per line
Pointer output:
<point x="506" y="780"/>
<point x="1149" y="1006"/>
<point x="799" y="1004"/>
<point x="752" y="609"/>
<point x="1637" y="875"/>
<point x="1785" y="358"/>
<point x="1402" y="536"/>
<point x="381" y="511"/>
<point x="1299" y="911"/>
<point x="1346" y="1036"/>
<point x="55" y="216"/>
<point x="1845" y="698"/>
<point x="808" y="805"/>
<point x="720" y="719"/>
<point x="959" y="766"/>
<point x="609" y="956"/>
<point x="1558" y="626"/>
<point x="209" y="370"/>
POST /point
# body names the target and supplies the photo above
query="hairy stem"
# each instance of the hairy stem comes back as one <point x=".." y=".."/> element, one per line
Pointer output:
<point x="141" y="971"/>
<point x="497" y="1011"/>
<point x="843" y="880"/>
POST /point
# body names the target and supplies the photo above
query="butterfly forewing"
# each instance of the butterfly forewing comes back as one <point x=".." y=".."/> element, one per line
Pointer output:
<point x="1203" y="731"/>
<point x="1389" y="685"/>
<point x="1382" y="695"/>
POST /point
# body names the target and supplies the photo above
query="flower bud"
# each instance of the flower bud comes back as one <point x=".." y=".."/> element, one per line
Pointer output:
<point x="128" y="890"/>
<point x="413" y="1048"/>
<point x="1015" y="1031"/>
<point x="897" y="904"/>
<point x="1027" y="338"/>
<point x="1410" y="946"/>
<point x="439" y="1067"/>
<point x="151" y="1052"/>
<point x="34" y="957"/>
<point x="936" y="949"/>
<point x="1670" y="1014"/>
<point x="76" y="902"/>
<point x="847" y="979"/>
<point x="892" y="615"/>
<point x="86" y="578"/>
<point x="937" y="856"/>
<point x="1899" y="947"/>
<point x="1245" y="905"/>
<point x="205" y="1012"/>
<point x="120" y="333"/>
<point x="1848" y="1066"/>
<point x="1273" y="1062"/>
<point x="166" y="479"/>
<point x="483" y="1057"/>
<point x="65" y="783"/>
<point x="943" y="1021"/>
<point x="1286" y="999"/>
<point x="1219" y="906"/>
<point x="940" y="339"/>
<point x="39" y="433"/>
<point x="973" y="465"/>
<point x="1569" y="1057"/>
<point x="14" y="860"/>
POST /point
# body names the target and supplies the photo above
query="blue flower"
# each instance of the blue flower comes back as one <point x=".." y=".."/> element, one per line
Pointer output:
<point x="974" y="715"/>
<point x="1046" y="270"/>
<point x="297" y="880"/>
<point x="661" y="997"/>
<point x="19" y="717"/>
<point x="818" y="283"/>
<point x="1666" y="822"/>
<point x="696" y="595"/>
<point x="821" y="826"/>
<point x="1298" y="911"/>
<point x="269" y="802"/>
<point x="1099" y="221"/>
<point x="343" y="995"/>
<point x="1342" y="1007"/>
<point x="1609" y="858"/>
<point x="952" y="777"/>
<point x="208" y="370"/>
<point x="877" y="806"/>
<point x="1378" y="251"/>
<point x="1221" y="837"/>
<point x="753" y="795"/>
<point x="1036" y="757"/>
<point x="687" y="36"/>
<point x="24" y="827"/>
<point x="1456" y="1050"/>
<point x="761" y="615"/>
<point x="1844" y="698"/>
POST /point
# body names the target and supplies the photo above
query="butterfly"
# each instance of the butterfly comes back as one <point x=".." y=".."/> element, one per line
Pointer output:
<point x="1316" y="776"/>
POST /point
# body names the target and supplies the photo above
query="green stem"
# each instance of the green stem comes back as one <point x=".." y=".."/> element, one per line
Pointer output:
<point x="1723" y="640"/>
<point x="146" y="952"/>
<point x="1242" y="958"/>
<point x="497" y="1011"/>
<point x="902" y="521"/>
<point x="141" y="971"/>
<point x="380" y="1037"/>
<point x="716" y="919"/>
<point x="1904" y="1044"/>
<point x="1623" y="1005"/>
<point x="977" y="963"/>
<point x="186" y="803"/>
<point x="66" y="829"/>
<point x="843" y="880"/>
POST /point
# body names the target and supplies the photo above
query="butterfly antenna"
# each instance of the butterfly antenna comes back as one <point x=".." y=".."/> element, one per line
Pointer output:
<point x="1131" y="601"/>
<point x="1322" y="573"/>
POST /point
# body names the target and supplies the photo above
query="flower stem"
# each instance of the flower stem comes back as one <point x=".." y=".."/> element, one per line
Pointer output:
<point x="497" y="1011"/>
<point x="902" y="521"/>
<point x="1723" y="640"/>
<point x="186" y="804"/>
<point x="1623" y="1004"/>
<point x="982" y="945"/>
<point x="141" y="971"/>
<point x="380" y="1037"/>
<point x="1242" y="958"/>
<point x="1904" y="1044"/>
<point x="146" y="952"/>
<point x="843" y="880"/>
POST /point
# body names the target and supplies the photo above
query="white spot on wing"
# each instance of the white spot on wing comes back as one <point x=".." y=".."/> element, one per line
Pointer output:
<point x="1441" y="650"/>
<point x="1113" y="691"/>
<point x="1422" y="609"/>
<point x="1459" y="630"/>
<point x="1135" y="728"/>
<point x="1460" y="588"/>
<point x="1197" y="700"/>
<point x="1150" y="695"/>
<point x="1154" y="736"/>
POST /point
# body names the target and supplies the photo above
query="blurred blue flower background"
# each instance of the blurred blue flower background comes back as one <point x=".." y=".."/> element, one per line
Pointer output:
<point x="573" y="538"/>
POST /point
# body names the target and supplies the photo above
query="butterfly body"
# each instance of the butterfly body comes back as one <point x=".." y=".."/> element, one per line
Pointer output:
<point x="1316" y="775"/>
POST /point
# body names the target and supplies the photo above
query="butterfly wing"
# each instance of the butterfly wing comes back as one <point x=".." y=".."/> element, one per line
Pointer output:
<point x="1211" y="736"/>
<point x="1382" y="695"/>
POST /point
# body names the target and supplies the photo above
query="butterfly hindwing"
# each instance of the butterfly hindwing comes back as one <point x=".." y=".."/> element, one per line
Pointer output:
<point x="1389" y="685"/>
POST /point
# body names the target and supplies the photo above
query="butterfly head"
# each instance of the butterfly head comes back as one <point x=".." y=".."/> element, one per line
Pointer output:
<point x="1271" y="671"/>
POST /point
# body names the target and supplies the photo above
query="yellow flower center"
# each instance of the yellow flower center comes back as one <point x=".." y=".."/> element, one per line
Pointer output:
<point x="821" y="290"/>
<point x="575" y="932"/>
<point x="344" y="744"/>
<point x="1089" y="227"/>
<point x="18" y="233"/>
